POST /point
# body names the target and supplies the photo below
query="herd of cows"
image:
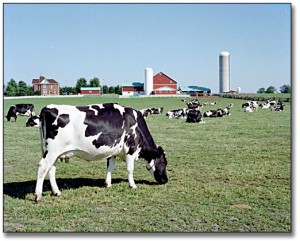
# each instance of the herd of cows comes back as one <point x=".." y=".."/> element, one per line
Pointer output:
<point x="108" y="131"/>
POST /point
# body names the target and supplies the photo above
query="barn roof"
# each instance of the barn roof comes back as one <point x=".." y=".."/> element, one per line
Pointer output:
<point x="136" y="84"/>
<point x="90" y="88"/>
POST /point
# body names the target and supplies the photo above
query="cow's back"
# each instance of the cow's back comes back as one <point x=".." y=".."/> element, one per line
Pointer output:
<point x="92" y="131"/>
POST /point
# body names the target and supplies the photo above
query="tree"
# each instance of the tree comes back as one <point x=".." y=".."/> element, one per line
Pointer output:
<point x="111" y="90"/>
<point x="12" y="88"/>
<point x="94" y="82"/>
<point x="271" y="89"/>
<point x="80" y="83"/>
<point x="118" y="90"/>
<point x="23" y="88"/>
<point x="105" y="89"/>
<point x="261" y="90"/>
<point x="285" y="89"/>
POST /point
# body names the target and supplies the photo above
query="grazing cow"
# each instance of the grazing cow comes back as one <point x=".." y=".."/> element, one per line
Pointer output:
<point x="179" y="114"/>
<point x="194" y="116"/>
<point x="33" y="121"/>
<point x="19" y="109"/>
<point x="95" y="132"/>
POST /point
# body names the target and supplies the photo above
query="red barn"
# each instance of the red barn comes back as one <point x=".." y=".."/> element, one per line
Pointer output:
<point x="163" y="84"/>
<point x="90" y="90"/>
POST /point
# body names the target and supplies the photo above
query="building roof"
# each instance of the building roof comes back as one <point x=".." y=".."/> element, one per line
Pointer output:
<point x="90" y="88"/>
<point x="194" y="88"/>
<point x="161" y="76"/>
<point x="136" y="84"/>
<point x="43" y="80"/>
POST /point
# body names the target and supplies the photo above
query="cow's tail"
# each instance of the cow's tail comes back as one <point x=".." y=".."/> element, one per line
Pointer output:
<point x="42" y="131"/>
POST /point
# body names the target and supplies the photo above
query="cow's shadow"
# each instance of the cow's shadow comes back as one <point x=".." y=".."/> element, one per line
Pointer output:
<point x="21" y="189"/>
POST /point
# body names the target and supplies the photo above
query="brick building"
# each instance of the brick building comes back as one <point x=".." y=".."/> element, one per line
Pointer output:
<point x="45" y="86"/>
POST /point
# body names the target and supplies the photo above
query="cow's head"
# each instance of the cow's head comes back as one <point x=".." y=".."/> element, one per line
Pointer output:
<point x="157" y="167"/>
<point x="33" y="121"/>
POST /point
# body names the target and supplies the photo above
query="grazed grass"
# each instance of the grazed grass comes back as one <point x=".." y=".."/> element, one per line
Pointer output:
<point x="231" y="174"/>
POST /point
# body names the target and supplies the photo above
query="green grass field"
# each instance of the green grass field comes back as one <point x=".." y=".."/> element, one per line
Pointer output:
<point x="230" y="174"/>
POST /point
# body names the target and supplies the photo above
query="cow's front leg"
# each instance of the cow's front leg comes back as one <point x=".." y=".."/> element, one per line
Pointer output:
<point x="110" y="167"/>
<point x="130" y="168"/>
<point x="51" y="175"/>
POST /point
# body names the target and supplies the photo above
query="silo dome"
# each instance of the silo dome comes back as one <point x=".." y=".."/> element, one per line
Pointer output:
<point x="148" y="81"/>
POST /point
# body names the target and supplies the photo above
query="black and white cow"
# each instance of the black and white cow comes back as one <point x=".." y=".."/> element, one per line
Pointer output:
<point x="278" y="107"/>
<point x="95" y="132"/>
<point x="19" y="109"/>
<point x="157" y="110"/>
<point x="33" y="121"/>
<point x="194" y="104"/>
<point x="214" y="113"/>
<point x="194" y="116"/>
<point x="179" y="114"/>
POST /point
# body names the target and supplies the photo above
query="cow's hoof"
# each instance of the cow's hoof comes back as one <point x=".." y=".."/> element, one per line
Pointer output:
<point x="133" y="186"/>
<point x="58" y="194"/>
<point x="38" y="197"/>
<point x="107" y="184"/>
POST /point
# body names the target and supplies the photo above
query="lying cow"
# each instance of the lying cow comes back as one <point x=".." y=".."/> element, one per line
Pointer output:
<point x="278" y="107"/>
<point x="33" y="121"/>
<point x="194" y="116"/>
<point x="19" y="109"/>
<point x="179" y="114"/>
<point x="214" y="113"/>
<point x="157" y="110"/>
<point x="95" y="132"/>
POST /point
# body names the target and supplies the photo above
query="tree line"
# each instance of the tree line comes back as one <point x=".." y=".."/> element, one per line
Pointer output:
<point x="20" y="88"/>
<point x="272" y="89"/>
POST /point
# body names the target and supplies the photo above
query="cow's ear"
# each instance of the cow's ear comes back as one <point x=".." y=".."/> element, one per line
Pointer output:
<point x="160" y="150"/>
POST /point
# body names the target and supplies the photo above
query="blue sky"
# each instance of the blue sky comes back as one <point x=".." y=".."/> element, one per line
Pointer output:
<point x="116" y="42"/>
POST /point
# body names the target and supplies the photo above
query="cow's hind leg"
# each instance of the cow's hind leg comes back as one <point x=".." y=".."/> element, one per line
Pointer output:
<point x="110" y="167"/>
<point x="51" y="175"/>
<point x="45" y="165"/>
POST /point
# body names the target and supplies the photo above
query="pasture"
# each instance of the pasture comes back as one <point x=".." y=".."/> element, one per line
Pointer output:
<point x="230" y="174"/>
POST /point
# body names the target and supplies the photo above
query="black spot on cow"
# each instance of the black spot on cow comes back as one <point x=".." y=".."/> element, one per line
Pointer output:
<point x="51" y="114"/>
<point x="107" y="121"/>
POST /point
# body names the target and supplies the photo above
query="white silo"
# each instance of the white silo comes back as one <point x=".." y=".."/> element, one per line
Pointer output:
<point x="148" y="81"/>
<point x="224" y="72"/>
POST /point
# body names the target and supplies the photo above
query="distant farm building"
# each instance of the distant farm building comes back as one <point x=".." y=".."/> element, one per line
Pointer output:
<point x="195" y="90"/>
<point x="132" y="88"/>
<point x="164" y="85"/>
<point x="159" y="84"/>
<point x="45" y="86"/>
<point x="90" y="90"/>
